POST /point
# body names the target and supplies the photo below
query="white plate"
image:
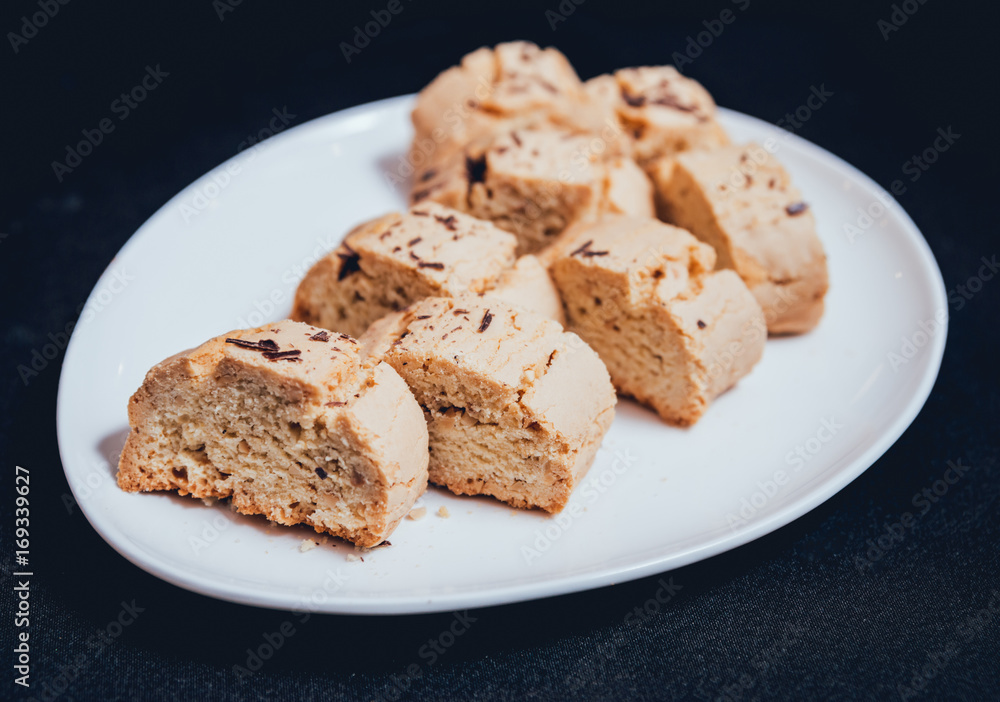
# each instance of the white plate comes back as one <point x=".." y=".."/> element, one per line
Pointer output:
<point x="228" y="251"/>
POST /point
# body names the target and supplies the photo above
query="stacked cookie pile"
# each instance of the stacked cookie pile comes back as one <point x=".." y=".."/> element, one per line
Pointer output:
<point x="565" y="240"/>
<point x="541" y="153"/>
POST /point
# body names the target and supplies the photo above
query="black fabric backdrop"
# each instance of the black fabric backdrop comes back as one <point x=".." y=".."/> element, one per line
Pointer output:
<point x="790" y="616"/>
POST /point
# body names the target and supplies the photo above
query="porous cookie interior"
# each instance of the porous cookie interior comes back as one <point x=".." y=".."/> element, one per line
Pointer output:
<point x="476" y="392"/>
<point x="641" y="345"/>
<point x="681" y="201"/>
<point x="485" y="441"/>
<point x="522" y="466"/>
<point x="531" y="182"/>
<point x="395" y="260"/>
<point x="349" y="289"/>
<point x="245" y="437"/>
<point x="535" y="183"/>
<point x="740" y="200"/>
<point x="349" y="302"/>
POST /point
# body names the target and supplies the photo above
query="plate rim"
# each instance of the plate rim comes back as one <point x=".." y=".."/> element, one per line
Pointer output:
<point x="556" y="585"/>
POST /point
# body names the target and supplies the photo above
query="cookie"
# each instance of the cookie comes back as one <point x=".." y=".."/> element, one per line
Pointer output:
<point x="535" y="183"/>
<point x="627" y="189"/>
<point x="528" y="286"/>
<point x="741" y="200"/>
<point x="673" y="333"/>
<point x="285" y="421"/>
<point x="390" y="262"/>
<point x="516" y="407"/>
<point x="661" y="111"/>
<point x="515" y="84"/>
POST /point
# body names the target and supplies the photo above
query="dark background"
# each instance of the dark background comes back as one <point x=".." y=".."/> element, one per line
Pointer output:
<point x="790" y="616"/>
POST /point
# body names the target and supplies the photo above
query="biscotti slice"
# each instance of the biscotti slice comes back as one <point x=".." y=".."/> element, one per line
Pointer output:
<point x="662" y="111"/>
<point x="387" y="263"/>
<point x="741" y="200"/>
<point x="515" y="84"/>
<point x="516" y="408"/>
<point x="535" y="183"/>
<point x="284" y="420"/>
<point x="673" y="333"/>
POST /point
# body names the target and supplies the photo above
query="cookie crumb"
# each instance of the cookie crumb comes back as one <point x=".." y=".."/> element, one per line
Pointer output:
<point x="209" y="501"/>
<point x="353" y="558"/>
<point x="307" y="545"/>
<point x="443" y="512"/>
<point x="417" y="513"/>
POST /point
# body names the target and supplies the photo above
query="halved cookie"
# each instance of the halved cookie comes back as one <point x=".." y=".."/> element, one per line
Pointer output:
<point x="673" y="333"/>
<point x="662" y="111"/>
<point x="741" y="200"/>
<point x="390" y="262"/>
<point x="286" y="421"/>
<point x="535" y="183"/>
<point x="516" y="408"/>
<point x="514" y="84"/>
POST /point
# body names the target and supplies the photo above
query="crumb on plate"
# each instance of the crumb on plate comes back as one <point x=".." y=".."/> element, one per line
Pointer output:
<point x="417" y="513"/>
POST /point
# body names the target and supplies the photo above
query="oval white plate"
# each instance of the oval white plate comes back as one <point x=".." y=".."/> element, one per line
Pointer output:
<point x="228" y="251"/>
